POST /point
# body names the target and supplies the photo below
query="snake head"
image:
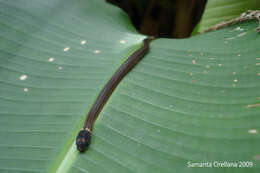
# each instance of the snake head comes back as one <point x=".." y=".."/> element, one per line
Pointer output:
<point x="83" y="140"/>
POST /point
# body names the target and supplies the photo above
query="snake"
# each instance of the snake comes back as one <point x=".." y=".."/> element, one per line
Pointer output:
<point x="84" y="135"/>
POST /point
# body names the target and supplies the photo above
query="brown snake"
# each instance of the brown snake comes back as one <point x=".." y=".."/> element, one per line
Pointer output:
<point x="84" y="136"/>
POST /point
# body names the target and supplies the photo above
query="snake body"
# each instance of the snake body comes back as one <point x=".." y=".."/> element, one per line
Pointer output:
<point x="84" y="135"/>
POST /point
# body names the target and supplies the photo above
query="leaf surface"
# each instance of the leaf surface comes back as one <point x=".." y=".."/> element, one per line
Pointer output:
<point x="55" y="57"/>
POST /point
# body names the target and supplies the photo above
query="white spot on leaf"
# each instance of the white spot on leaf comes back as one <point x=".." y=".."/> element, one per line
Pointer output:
<point x="122" y="41"/>
<point x="231" y="38"/>
<point x="238" y="28"/>
<point x="66" y="49"/>
<point x="83" y="42"/>
<point x="23" y="77"/>
<point x="252" y="131"/>
<point x="51" y="59"/>
<point x="242" y="34"/>
<point x="96" y="51"/>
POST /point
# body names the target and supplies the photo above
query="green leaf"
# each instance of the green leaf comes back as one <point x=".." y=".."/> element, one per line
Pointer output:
<point x="187" y="100"/>
<point x="51" y="73"/>
<point x="222" y="10"/>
